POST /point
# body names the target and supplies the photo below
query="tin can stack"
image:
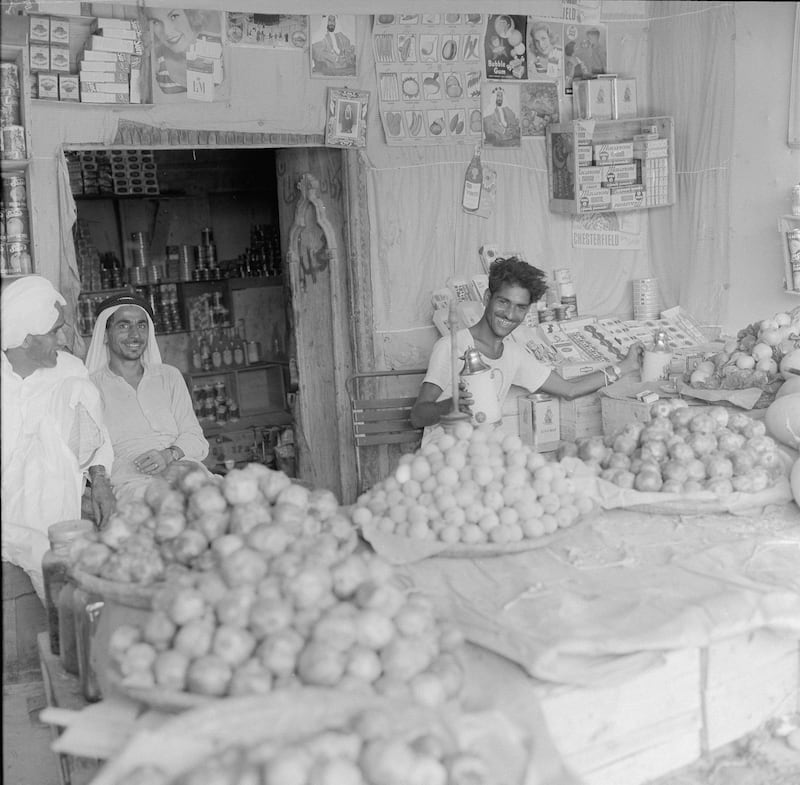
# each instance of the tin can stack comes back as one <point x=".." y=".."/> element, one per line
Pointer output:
<point x="567" y="298"/>
<point x="15" y="254"/>
<point x="646" y="299"/>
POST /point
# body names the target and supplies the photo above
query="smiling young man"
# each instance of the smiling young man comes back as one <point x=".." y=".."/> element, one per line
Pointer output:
<point x="147" y="406"/>
<point x="53" y="435"/>
<point x="514" y="286"/>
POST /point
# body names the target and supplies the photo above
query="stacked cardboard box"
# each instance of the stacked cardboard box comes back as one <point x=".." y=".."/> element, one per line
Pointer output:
<point x="110" y="69"/>
<point x="134" y="172"/>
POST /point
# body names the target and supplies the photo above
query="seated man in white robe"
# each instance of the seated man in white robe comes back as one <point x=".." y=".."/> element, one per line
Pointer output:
<point x="146" y="404"/>
<point x="53" y="436"/>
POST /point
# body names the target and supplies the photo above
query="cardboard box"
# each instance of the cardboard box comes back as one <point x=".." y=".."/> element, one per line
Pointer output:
<point x="39" y="29"/>
<point x="104" y="98"/>
<point x="580" y="417"/>
<point x="47" y="85"/>
<point x="539" y="421"/>
<point x="59" y="58"/>
<point x="592" y="99"/>
<point x="614" y="152"/>
<point x="618" y="174"/>
<point x="105" y="87"/>
<point x="40" y="57"/>
<point x="100" y="43"/>
<point x="118" y="32"/>
<point x="111" y="23"/>
<point x="59" y="30"/>
<point x="599" y="199"/>
<point x="584" y="154"/>
<point x="103" y="66"/>
<point x="590" y="177"/>
<point x="625" y="100"/>
<point x="628" y="196"/>
<point x="125" y="58"/>
<point x="100" y="77"/>
<point x="68" y="88"/>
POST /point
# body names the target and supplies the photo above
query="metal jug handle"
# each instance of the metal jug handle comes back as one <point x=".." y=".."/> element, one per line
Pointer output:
<point x="495" y="373"/>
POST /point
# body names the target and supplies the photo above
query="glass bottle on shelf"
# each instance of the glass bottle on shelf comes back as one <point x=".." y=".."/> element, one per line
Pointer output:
<point x="216" y="350"/>
<point x="227" y="349"/>
<point x="205" y="352"/>
<point x="55" y="570"/>
<point x="238" y="345"/>
<point x="243" y="338"/>
<point x="197" y="356"/>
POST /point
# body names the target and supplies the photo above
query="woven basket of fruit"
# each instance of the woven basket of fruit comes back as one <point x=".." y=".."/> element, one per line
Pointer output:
<point x="324" y="736"/>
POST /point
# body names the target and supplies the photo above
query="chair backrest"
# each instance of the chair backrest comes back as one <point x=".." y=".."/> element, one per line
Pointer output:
<point x="380" y="421"/>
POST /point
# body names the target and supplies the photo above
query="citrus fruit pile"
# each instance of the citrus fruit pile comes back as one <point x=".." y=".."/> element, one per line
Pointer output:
<point x="475" y="486"/>
<point x="685" y="449"/>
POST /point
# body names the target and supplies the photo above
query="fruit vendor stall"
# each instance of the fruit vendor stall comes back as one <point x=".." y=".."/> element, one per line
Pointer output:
<point x="598" y="589"/>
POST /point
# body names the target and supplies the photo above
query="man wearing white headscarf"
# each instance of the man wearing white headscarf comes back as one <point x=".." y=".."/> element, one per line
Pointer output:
<point x="146" y="404"/>
<point x="52" y="427"/>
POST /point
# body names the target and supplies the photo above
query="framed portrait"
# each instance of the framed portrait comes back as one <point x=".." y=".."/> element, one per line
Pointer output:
<point x="333" y="51"/>
<point x="500" y="110"/>
<point x="346" y="124"/>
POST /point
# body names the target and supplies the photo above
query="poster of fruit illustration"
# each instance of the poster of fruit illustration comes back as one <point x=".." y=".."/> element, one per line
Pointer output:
<point x="429" y="77"/>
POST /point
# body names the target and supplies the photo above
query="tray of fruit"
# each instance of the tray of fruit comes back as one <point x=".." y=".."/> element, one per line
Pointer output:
<point x="326" y="736"/>
<point x="754" y="359"/>
<point x="476" y="492"/>
<point x="689" y="460"/>
<point x="189" y="520"/>
<point x="307" y="616"/>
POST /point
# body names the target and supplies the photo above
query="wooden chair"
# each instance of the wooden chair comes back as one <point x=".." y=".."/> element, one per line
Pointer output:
<point x="380" y="422"/>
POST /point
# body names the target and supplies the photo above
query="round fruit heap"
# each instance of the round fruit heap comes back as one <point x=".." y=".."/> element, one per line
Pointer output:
<point x="367" y="750"/>
<point x="753" y="358"/>
<point x="474" y="486"/>
<point x="274" y="615"/>
<point x="685" y="449"/>
<point x="190" y="520"/>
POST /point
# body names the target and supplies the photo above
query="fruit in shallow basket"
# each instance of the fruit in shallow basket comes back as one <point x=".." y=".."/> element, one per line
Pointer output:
<point x="692" y="449"/>
<point x="474" y="487"/>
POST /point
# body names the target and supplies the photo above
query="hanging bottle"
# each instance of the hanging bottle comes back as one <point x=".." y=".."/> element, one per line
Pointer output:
<point x="473" y="183"/>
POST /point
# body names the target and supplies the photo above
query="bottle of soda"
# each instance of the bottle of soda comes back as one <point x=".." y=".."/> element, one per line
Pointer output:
<point x="473" y="183"/>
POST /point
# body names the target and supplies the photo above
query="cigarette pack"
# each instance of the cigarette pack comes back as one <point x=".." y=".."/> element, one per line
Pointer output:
<point x="39" y="29"/>
<point x="625" y="103"/>
<point x="59" y="58"/>
<point x="47" y="85"/>
<point x="103" y="66"/>
<point x="584" y="154"/>
<point x="59" y="30"/>
<point x="592" y="99"/>
<point x="118" y="32"/>
<point x="102" y="43"/>
<point x="599" y="199"/>
<point x="110" y="23"/>
<point x="103" y="98"/>
<point x="590" y="177"/>
<point x="105" y="87"/>
<point x="68" y="89"/>
<point x="104" y="77"/>
<point x="40" y="57"/>
<point x="539" y="424"/>
<point x="628" y="196"/>
<point x="101" y="56"/>
<point x="618" y="174"/>
<point x="653" y="148"/>
<point x="614" y="152"/>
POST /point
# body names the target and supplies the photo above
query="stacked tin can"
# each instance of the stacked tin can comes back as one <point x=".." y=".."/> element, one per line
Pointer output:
<point x="646" y="299"/>
<point x="206" y="267"/>
<point x="567" y="306"/>
<point x="14" y="223"/>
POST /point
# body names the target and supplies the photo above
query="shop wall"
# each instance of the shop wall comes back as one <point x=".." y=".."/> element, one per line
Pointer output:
<point x="764" y="168"/>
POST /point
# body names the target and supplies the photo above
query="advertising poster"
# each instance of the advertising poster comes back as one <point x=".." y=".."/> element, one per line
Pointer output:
<point x="429" y="77"/>
<point x="545" y="48"/>
<point x="333" y="51"/>
<point x="538" y="107"/>
<point x="505" y="48"/>
<point x="187" y="55"/>
<point x="500" y="108"/>
<point x="615" y="231"/>
<point x="267" y="31"/>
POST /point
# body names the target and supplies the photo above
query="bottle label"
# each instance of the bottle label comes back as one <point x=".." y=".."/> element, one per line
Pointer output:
<point x="472" y="195"/>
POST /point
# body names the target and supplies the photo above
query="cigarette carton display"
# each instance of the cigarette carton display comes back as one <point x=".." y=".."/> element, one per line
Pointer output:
<point x="92" y="66"/>
<point x="627" y="197"/>
<point x="653" y="148"/>
<point x="584" y="155"/>
<point x="599" y="199"/>
<point x="618" y="174"/>
<point x="111" y="23"/>
<point x="613" y="153"/>
<point x="590" y="177"/>
<point x="68" y="89"/>
<point x="105" y="87"/>
<point x="59" y="30"/>
<point x="47" y="85"/>
<point x="100" y="77"/>
<point x="106" y="56"/>
<point x="118" y="32"/>
<point x="40" y="57"/>
<point x="59" y="57"/>
<point x="592" y="99"/>
<point x="39" y="29"/>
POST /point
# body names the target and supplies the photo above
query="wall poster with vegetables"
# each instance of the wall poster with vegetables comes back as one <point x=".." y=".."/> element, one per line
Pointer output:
<point x="429" y="70"/>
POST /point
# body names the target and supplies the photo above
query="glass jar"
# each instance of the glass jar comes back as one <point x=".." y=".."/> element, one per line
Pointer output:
<point x="55" y="567"/>
<point x="67" y="645"/>
<point x="87" y="607"/>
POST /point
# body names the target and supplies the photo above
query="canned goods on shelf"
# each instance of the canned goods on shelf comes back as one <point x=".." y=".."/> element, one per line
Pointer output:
<point x="9" y="77"/>
<point x="16" y="224"/>
<point x="13" y="142"/>
<point x="15" y="191"/>
<point x="19" y="258"/>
